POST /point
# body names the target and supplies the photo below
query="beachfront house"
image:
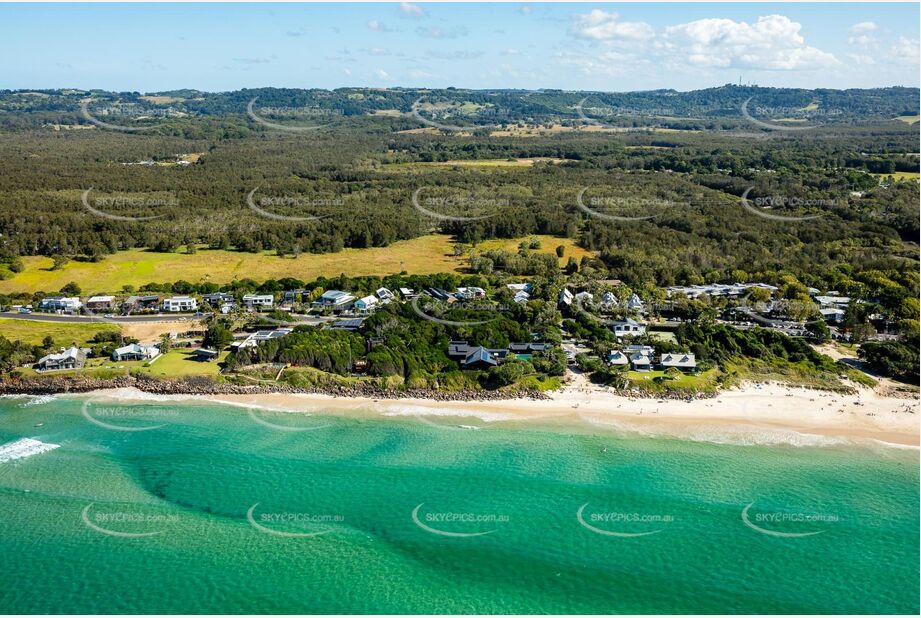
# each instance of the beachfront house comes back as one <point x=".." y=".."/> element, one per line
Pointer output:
<point x="258" y="301"/>
<point x="640" y="361"/>
<point x="254" y="339"/>
<point x="100" y="303"/>
<point x="628" y="328"/>
<point x="60" y="304"/>
<point x="334" y="299"/>
<point x="679" y="360"/>
<point x="68" y="358"/>
<point x="178" y="304"/>
<point x="135" y="352"/>
<point x="365" y="304"/>
<point x="616" y="358"/>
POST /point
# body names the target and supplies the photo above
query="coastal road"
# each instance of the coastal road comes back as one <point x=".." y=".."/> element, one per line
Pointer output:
<point x="86" y="319"/>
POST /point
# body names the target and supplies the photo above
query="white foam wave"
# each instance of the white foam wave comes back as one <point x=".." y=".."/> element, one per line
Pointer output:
<point x="24" y="447"/>
<point x="416" y="410"/>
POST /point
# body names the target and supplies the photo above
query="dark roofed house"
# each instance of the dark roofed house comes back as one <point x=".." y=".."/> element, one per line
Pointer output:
<point x="479" y="358"/>
<point x="204" y="354"/>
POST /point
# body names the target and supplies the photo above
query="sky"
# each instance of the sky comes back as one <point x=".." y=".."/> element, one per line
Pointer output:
<point x="572" y="46"/>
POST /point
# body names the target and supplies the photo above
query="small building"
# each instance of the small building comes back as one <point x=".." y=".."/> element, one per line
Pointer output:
<point x="135" y="352"/>
<point x="609" y="300"/>
<point x="177" y="304"/>
<point x="628" y="328"/>
<point x="832" y="299"/>
<point x="349" y="324"/>
<point x="617" y="358"/>
<point x="135" y="304"/>
<point x="205" y="355"/>
<point x="68" y="358"/>
<point x="679" y="360"/>
<point x="635" y="303"/>
<point x="385" y="295"/>
<point x="100" y="303"/>
<point x="585" y="297"/>
<point x="336" y="299"/>
<point x="258" y="301"/>
<point x="520" y="287"/>
<point x="479" y="358"/>
<point x="218" y="299"/>
<point x="470" y="293"/>
<point x="294" y="297"/>
<point x="640" y="361"/>
<point x="254" y="339"/>
<point x="834" y="315"/>
<point x="408" y="293"/>
<point x="60" y="304"/>
<point x="366" y="303"/>
<point x="521" y="297"/>
<point x="565" y="297"/>
<point x="439" y="294"/>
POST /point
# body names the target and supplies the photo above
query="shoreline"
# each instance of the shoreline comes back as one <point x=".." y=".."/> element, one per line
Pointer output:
<point x="753" y="413"/>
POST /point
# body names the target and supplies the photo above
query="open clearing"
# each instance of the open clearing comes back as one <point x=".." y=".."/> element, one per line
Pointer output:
<point x="899" y="176"/>
<point x="64" y="334"/>
<point x="476" y="163"/>
<point x="137" y="267"/>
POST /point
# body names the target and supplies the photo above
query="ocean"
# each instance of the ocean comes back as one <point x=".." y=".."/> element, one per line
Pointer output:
<point x="193" y="507"/>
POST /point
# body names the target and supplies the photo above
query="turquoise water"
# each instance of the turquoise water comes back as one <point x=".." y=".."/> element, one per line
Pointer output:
<point x="71" y="519"/>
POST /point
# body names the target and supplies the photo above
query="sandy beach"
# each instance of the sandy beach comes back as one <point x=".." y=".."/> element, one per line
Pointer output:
<point x="752" y="414"/>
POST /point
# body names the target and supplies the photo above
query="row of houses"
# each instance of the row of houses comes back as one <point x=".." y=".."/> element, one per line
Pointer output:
<point x="641" y="358"/>
<point x="609" y="300"/>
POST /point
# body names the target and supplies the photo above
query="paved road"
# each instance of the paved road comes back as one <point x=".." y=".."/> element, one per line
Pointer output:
<point x="85" y="319"/>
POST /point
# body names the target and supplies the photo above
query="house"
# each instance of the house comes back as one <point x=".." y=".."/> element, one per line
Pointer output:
<point x="479" y="358"/>
<point x="179" y="303"/>
<point x="565" y="297"/>
<point x="294" y="297"/>
<point x="640" y="361"/>
<point x="365" y="303"/>
<point x="832" y="299"/>
<point x="439" y="294"/>
<point x="585" y="298"/>
<point x="521" y="297"/>
<point x="350" y="324"/>
<point x="525" y="350"/>
<point x="520" y="287"/>
<point x="617" y="358"/>
<point x="69" y="358"/>
<point x="635" y="304"/>
<point x="135" y="352"/>
<point x="218" y="299"/>
<point x="100" y="303"/>
<point x="408" y="293"/>
<point x="205" y="355"/>
<point x="628" y="328"/>
<point x="228" y="307"/>
<point x="609" y="300"/>
<point x="336" y="299"/>
<point x="470" y="293"/>
<point x="833" y="314"/>
<point x="384" y="295"/>
<point x="135" y="304"/>
<point x="254" y="339"/>
<point x="258" y="301"/>
<point x="679" y="360"/>
<point x="648" y="350"/>
<point x="60" y="304"/>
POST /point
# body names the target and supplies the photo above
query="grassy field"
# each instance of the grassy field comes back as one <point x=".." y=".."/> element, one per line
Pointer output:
<point x="424" y="255"/>
<point x="548" y="244"/>
<point x="64" y="334"/>
<point x="647" y="380"/>
<point x="899" y="176"/>
<point x="475" y="163"/>
<point x="909" y="119"/>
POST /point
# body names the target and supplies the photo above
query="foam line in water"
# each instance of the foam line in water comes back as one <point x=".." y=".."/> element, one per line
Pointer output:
<point x="24" y="447"/>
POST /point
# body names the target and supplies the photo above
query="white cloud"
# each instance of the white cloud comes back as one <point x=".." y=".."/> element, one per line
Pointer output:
<point x="905" y="50"/>
<point x="378" y="26"/>
<point x="601" y="26"/>
<point x="382" y="74"/>
<point x="525" y="9"/>
<point x="408" y="9"/>
<point x="772" y="43"/>
<point x="862" y="34"/>
<point x="434" y="32"/>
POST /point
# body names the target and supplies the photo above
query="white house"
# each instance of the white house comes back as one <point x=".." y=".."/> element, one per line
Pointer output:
<point x="635" y="304"/>
<point x="585" y="297"/>
<point x="100" y="303"/>
<point x="135" y="352"/>
<point x="640" y="361"/>
<point x="334" y="298"/>
<point x="60" y="304"/>
<point x="628" y="328"/>
<point x="408" y="293"/>
<point x="256" y="301"/>
<point x="179" y="303"/>
<point x="385" y="295"/>
<point x="679" y="360"/>
<point x="565" y="297"/>
<point x="617" y="358"/>
<point x="469" y="293"/>
<point x="522" y="297"/>
<point x="366" y="303"/>
<point x="833" y="314"/>
<point x="608" y="300"/>
<point x="520" y="287"/>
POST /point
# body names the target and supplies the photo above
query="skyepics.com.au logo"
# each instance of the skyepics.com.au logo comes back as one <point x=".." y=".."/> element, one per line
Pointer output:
<point x="133" y="524"/>
<point x="621" y="208"/>
<point x="762" y="206"/>
<point x="787" y="524"/>
<point x="298" y="202"/>
<point x="787" y="118"/>
<point x="458" y="207"/>
<point x="457" y="524"/>
<point x="131" y="418"/>
<point x="293" y="524"/>
<point x="432" y="309"/>
<point x="291" y="422"/>
<point x="152" y="116"/>
<point x="622" y="524"/>
<point x="417" y="114"/>
<point x="604" y="115"/>
<point x="291" y="119"/>
<point x="104" y="205"/>
<point x="794" y="316"/>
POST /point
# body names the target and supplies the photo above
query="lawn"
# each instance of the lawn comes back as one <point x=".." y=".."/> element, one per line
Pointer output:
<point x="64" y="334"/>
<point x="909" y="119"/>
<point x="548" y="244"/>
<point x="179" y="362"/>
<point x="899" y="176"/>
<point x="424" y="255"/>
<point x="699" y="382"/>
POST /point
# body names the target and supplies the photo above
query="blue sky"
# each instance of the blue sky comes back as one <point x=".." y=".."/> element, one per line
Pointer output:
<point x="611" y="46"/>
